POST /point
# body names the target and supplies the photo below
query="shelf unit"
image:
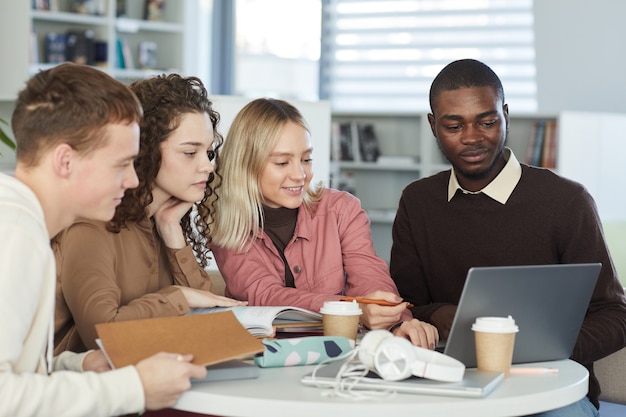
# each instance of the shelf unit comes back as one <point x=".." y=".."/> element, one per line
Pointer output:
<point x="379" y="185"/>
<point x="17" y="17"/>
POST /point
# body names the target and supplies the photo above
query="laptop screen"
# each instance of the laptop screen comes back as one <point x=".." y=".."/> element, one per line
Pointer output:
<point x="548" y="303"/>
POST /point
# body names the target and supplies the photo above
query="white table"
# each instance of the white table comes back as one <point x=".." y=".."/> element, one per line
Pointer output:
<point x="279" y="392"/>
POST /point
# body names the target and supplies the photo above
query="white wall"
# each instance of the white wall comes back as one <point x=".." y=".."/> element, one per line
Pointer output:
<point x="197" y="43"/>
<point x="581" y="61"/>
<point x="14" y="46"/>
<point x="597" y="164"/>
<point x="581" y="67"/>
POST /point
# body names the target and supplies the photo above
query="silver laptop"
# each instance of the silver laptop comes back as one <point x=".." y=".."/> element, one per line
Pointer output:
<point x="548" y="303"/>
<point x="475" y="384"/>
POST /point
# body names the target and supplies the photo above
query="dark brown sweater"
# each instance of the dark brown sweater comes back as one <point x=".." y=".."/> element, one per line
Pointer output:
<point x="547" y="220"/>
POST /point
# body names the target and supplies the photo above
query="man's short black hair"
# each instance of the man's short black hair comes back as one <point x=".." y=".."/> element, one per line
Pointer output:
<point x="464" y="73"/>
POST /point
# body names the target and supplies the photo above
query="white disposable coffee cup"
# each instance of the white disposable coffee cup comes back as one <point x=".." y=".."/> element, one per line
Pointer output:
<point x="341" y="318"/>
<point x="495" y="340"/>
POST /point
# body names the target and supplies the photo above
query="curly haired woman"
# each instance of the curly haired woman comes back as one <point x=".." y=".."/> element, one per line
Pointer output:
<point x="149" y="260"/>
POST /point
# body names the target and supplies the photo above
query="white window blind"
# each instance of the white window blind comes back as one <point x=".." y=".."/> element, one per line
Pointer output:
<point x="382" y="56"/>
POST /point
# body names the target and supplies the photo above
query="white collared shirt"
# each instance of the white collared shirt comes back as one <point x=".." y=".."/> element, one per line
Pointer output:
<point x="502" y="186"/>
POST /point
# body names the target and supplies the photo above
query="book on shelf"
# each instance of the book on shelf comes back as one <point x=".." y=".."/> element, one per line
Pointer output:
<point x="342" y="147"/>
<point x="74" y="46"/>
<point x="265" y="321"/>
<point x="129" y="62"/>
<point x="95" y="7"/>
<point x="548" y="156"/>
<point x="54" y="47"/>
<point x="49" y="5"/>
<point x="147" y="54"/>
<point x="552" y="161"/>
<point x="211" y="338"/>
<point x="535" y="143"/>
<point x="335" y="141"/>
<point x="542" y="144"/>
<point x="368" y="142"/>
<point x="100" y="52"/>
<point x="80" y="47"/>
<point x="354" y="141"/>
<point x="153" y="10"/>
<point x="120" y="8"/>
<point x="124" y="57"/>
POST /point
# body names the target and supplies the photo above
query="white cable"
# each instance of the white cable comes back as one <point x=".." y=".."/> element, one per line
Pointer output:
<point x="348" y="378"/>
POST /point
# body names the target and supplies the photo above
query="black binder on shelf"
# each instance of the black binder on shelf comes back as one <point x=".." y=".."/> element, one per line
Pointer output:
<point x="80" y="47"/>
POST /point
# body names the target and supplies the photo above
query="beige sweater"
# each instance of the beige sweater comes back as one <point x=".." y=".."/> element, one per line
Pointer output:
<point x="33" y="383"/>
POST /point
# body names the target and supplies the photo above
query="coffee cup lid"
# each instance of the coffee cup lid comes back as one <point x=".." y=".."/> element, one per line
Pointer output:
<point x="341" y="308"/>
<point x="495" y="325"/>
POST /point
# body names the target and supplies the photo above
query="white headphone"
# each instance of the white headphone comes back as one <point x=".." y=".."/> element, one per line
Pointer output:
<point x="394" y="358"/>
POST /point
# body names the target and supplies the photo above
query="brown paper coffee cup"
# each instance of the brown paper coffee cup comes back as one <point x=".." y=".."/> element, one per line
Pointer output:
<point x="347" y="326"/>
<point x="494" y="351"/>
<point x="341" y="318"/>
<point x="495" y="341"/>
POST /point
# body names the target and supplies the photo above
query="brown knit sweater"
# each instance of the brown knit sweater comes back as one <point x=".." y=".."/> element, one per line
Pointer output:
<point x="547" y="220"/>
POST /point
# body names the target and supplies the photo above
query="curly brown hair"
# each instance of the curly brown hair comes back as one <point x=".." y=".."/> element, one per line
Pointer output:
<point x="165" y="99"/>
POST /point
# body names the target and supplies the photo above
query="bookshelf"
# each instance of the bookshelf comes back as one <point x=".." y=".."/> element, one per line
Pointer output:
<point x="23" y="31"/>
<point x="408" y="151"/>
<point x="525" y="137"/>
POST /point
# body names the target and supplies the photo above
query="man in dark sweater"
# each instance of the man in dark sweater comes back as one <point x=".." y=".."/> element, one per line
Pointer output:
<point x="491" y="210"/>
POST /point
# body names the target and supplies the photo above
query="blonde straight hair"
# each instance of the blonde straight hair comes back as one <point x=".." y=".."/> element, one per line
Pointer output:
<point x="238" y="215"/>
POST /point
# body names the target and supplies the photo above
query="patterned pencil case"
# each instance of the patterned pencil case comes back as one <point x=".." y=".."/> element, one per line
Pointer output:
<point x="309" y="350"/>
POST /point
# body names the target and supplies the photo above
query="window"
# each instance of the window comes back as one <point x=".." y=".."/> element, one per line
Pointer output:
<point x="382" y="55"/>
<point x="277" y="48"/>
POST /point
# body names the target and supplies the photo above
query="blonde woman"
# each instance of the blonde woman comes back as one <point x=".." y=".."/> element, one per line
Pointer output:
<point x="278" y="240"/>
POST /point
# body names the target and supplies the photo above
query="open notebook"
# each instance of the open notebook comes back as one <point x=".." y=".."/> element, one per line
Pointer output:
<point x="264" y="321"/>
<point x="475" y="383"/>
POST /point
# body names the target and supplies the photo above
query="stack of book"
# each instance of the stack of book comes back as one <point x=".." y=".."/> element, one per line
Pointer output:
<point x="74" y="46"/>
<point x="265" y="321"/>
<point x="354" y="141"/>
<point x="542" y="144"/>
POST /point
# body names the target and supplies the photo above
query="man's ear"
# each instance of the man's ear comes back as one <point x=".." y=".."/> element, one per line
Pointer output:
<point x="431" y="121"/>
<point x="505" y="110"/>
<point x="63" y="159"/>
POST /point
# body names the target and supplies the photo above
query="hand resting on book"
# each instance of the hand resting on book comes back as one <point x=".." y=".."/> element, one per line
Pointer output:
<point x="205" y="299"/>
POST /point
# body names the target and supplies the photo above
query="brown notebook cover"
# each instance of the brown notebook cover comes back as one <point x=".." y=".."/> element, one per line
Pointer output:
<point x="211" y="338"/>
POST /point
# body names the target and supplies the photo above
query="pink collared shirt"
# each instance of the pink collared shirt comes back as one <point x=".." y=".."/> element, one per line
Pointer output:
<point x="331" y="254"/>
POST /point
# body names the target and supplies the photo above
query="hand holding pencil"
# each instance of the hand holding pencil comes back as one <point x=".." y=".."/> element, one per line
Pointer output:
<point x="394" y="316"/>
<point x="365" y="300"/>
<point x="381" y="309"/>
